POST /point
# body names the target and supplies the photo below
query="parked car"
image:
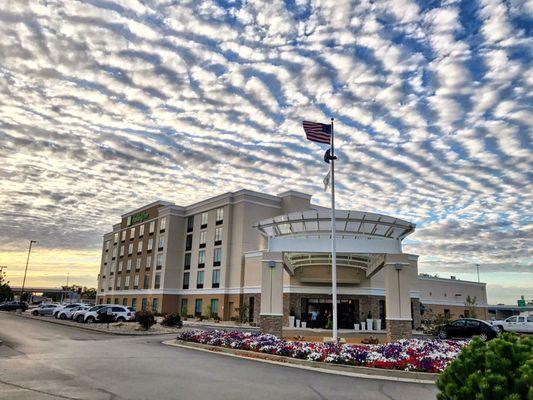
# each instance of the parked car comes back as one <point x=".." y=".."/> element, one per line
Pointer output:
<point x="44" y="309"/>
<point x="516" y="323"/>
<point x="121" y="314"/>
<point x="56" y="311"/>
<point x="14" y="305"/>
<point x="79" y="315"/>
<point x="467" y="328"/>
<point x="68" y="312"/>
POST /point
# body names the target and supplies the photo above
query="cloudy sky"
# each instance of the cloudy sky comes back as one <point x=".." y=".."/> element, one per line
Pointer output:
<point x="105" y="106"/>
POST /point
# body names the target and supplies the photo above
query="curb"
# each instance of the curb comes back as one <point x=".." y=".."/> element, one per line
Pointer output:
<point x="346" y="370"/>
<point x="221" y="327"/>
<point x="87" y="328"/>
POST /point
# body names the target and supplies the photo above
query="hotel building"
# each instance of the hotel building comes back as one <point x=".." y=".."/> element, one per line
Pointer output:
<point x="209" y="258"/>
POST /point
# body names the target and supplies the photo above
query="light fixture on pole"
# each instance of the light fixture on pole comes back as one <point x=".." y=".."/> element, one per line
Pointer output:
<point x="477" y="266"/>
<point x="26" y="270"/>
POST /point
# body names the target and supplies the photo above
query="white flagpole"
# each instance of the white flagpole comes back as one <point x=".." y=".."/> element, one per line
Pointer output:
<point x="333" y="238"/>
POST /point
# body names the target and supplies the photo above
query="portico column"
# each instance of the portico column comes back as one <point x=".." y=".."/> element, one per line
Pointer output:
<point x="400" y="277"/>
<point x="271" y="317"/>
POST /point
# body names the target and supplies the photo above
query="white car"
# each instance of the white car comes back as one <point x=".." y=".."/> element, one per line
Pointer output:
<point x="516" y="323"/>
<point x="79" y="315"/>
<point x="65" y="307"/>
<point x="121" y="313"/>
<point x="68" y="312"/>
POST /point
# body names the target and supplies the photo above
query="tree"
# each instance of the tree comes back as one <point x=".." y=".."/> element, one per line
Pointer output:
<point x="501" y="369"/>
<point x="5" y="290"/>
<point x="470" y="303"/>
<point x="89" y="293"/>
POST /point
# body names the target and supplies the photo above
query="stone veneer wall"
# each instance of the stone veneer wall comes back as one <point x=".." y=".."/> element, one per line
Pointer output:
<point x="398" y="329"/>
<point x="271" y="324"/>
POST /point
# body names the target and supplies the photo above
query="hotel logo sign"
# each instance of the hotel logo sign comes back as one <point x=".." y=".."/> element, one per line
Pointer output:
<point x="136" y="218"/>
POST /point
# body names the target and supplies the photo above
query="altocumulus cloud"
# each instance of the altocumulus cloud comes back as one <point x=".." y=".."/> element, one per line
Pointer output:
<point x="108" y="105"/>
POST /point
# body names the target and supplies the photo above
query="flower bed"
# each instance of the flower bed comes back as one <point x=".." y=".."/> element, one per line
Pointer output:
<point x="425" y="355"/>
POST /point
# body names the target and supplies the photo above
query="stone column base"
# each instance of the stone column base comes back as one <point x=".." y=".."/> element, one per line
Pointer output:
<point x="271" y="324"/>
<point x="398" y="329"/>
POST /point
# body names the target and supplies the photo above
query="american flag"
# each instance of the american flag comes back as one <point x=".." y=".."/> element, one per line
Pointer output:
<point x="316" y="132"/>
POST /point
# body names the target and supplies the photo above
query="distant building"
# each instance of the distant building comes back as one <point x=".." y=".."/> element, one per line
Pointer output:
<point x="207" y="257"/>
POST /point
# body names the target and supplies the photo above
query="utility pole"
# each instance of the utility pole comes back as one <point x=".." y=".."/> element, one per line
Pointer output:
<point x="477" y="266"/>
<point x="26" y="270"/>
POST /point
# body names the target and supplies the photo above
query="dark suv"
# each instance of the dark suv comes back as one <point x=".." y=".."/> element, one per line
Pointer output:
<point x="467" y="328"/>
<point x="14" y="305"/>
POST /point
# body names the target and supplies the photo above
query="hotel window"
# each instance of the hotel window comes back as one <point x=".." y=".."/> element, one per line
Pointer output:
<point x="155" y="305"/>
<point x="200" y="280"/>
<point x="217" y="257"/>
<point x="201" y="259"/>
<point x="125" y="302"/>
<point x="152" y="227"/>
<point x="216" y="278"/>
<point x="187" y="262"/>
<point x="146" y="281"/>
<point x="186" y="276"/>
<point x="188" y="243"/>
<point x="203" y="236"/>
<point x="116" y="300"/>
<point x="157" y="280"/>
<point x="134" y="304"/>
<point x="120" y="263"/>
<point x="114" y="252"/>
<point x="218" y="236"/>
<point x="190" y="223"/>
<point x="161" y="242"/>
<point x="214" y="307"/>
<point x="141" y="230"/>
<point x="136" y="281"/>
<point x="130" y="249"/>
<point x="128" y="265"/>
<point x="197" y="307"/>
<point x="121" y="251"/>
<point x="123" y="236"/>
<point x="115" y="238"/>
<point x="204" y="220"/>
<point x="148" y="262"/>
<point x="159" y="261"/>
<point x="132" y="233"/>
<point x="118" y="283"/>
<point x="150" y="244"/>
<point x="163" y="224"/>
<point x="220" y="216"/>
<point x="184" y="307"/>
<point x="127" y="282"/>
<point x="138" y="264"/>
<point x="143" y="304"/>
<point x="139" y="247"/>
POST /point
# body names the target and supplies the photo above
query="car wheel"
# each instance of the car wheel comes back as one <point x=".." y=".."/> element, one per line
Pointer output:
<point x="483" y="337"/>
<point x="121" y="319"/>
<point x="80" y="319"/>
<point x="63" y="316"/>
<point x="35" y="313"/>
<point x="443" y="334"/>
<point x="90" y="320"/>
<point x="500" y="328"/>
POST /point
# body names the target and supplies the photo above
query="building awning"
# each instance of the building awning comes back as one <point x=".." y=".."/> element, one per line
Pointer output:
<point x="317" y="223"/>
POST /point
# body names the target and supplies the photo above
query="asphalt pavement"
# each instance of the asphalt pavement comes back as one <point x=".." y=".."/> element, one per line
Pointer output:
<point x="43" y="361"/>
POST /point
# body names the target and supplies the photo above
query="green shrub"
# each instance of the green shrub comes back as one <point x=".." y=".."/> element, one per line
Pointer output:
<point x="501" y="369"/>
<point x="173" y="320"/>
<point x="145" y="318"/>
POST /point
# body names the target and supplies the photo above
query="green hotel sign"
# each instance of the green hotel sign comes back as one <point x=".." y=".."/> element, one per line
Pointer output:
<point x="136" y="218"/>
<point x="521" y="303"/>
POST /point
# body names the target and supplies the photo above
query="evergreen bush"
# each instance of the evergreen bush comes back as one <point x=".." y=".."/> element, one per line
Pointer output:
<point x="145" y="318"/>
<point x="501" y="369"/>
<point x="173" y="320"/>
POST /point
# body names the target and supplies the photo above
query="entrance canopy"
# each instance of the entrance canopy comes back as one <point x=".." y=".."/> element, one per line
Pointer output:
<point x="357" y="232"/>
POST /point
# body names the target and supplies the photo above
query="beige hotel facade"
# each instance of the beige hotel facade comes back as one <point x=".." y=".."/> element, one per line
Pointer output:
<point x="209" y="257"/>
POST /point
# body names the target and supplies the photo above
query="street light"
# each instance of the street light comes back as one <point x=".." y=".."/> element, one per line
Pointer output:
<point x="26" y="270"/>
<point x="477" y="266"/>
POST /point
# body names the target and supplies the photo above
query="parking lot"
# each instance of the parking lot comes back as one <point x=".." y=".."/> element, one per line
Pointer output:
<point x="43" y="361"/>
